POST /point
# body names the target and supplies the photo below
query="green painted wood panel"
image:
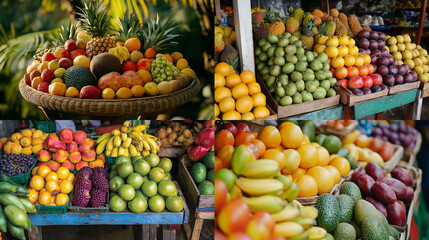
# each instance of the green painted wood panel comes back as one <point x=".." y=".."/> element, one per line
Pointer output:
<point x="332" y="113"/>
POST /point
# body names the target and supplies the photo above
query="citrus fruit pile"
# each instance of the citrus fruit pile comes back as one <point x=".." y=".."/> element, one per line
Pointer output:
<point x="238" y="97"/>
<point x="27" y="141"/>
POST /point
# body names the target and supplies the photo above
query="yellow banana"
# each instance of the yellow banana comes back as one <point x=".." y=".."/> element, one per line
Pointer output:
<point x="126" y="152"/>
<point x="117" y="141"/>
<point x="116" y="132"/>
<point x="152" y="143"/>
<point x="124" y="137"/>
<point x="140" y="128"/>
<point x="108" y="152"/>
<point x="258" y="187"/>
<point x="145" y="153"/>
<point x="124" y="129"/>
<point x="302" y="236"/>
<point x="288" y="213"/>
<point x="236" y="192"/>
<point x="126" y="143"/>
<point x="268" y="203"/>
<point x="264" y="168"/>
<point x="288" y="229"/>
<point x="138" y="145"/>
<point x="316" y="233"/>
<point x="121" y="151"/>
<point x="114" y="152"/>
<point x="146" y="145"/>
<point x="128" y="123"/>
<point x="154" y="151"/>
<point x="351" y="137"/>
<point x="309" y="212"/>
<point x="150" y="136"/>
<point x="133" y="150"/>
<point x="101" y="146"/>
<point x="109" y="146"/>
<point x="102" y="137"/>
<point x="305" y="222"/>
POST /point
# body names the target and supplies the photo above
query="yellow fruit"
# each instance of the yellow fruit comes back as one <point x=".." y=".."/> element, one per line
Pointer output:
<point x="343" y="51"/>
<point x="322" y="40"/>
<point x="72" y="92"/>
<point x="108" y="93"/>
<point x="43" y="171"/>
<point x="52" y="187"/>
<point x="344" y="40"/>
<point x="63" y="173"/>
<point x="45" y="198"/>
<point x="400" y="38"/>
<point x="293" y="159"/>
<point x="227" y="104"/>
<point x="176" y="56"/>
<point x="254" y="88"/>
<point x="331" y="51"/>
<point x="216" y="110"/>
<point x="240" y="90"/>
<point x="182" y="64"/>
<point x="352" y="42"/>
<point x="231" y="115"/>
<point x="323" y="156"/>
<point x="61" y="199"/>
<point x="66" y="186"/>
<point x="189" y="72"/>
<point x="244" y="104"/>
<point x="291" y="135"/>
<point x="27" y="133"/>
<point x="319" y="48"/>
<point x="261" y="111"/>
<point x="81" y="61"/>
<point x="332" y="41"/>
<point x="137" y="91"/>
<point x="232" y="80"/>
<point x="248" y="116"/>
<point x="359" y="61"/>
<point x="221" y="93"/>
<point x="259" y="99"/>
<point x="337" y="62"/>
<point x="307" y="186"/>
<point x="309" y="156"/>
<point x="219" y="80"/>
<point x="334" y="172"/>
<point x="353" y="50"/>
<point x="37" y="183"/>
<point x="342" y="165"/>
<point x="323" y="177"/>
<point x="51" y="176"/>
<point x="33" y="196"/>
<point x="124" y="93"/>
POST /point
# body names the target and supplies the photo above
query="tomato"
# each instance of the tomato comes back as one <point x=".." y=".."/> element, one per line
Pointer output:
<point x="261" y="147"/>
<point x="219" y="235"/>
<point x="254" y="150"/>
<point x="225" y="154"/>
<point x="218" y="163"/>
<point x="240" y="157"/>
<point x="222" y="138"/>
<point x="233" y="217"/>
<point x="270" y="136"/>
<point x="244" y="138"/>
<point x="221" y="192"/>
<point x="265" y="218"/>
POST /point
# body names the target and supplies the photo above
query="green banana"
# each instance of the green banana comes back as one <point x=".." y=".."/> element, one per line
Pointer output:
<point x="288" y="229"/>
<point x="268" y="203"/>
<point x="29" y="207"/>
<point x="288" y="213"/>
<point x="101" y="146"/>
<point x="5" y="178"/>
<point x="16" y="231"/>
<point x="316" y="233"/>
<point x="302" y="236"/>
<point x="291" y="193"/>
<point x="16" y="216"/>
<point x="258" y="187"/>
<point x="7" y="199"/>
<point x="102" y="137"/>
<point x="305" y="222"/>
<point x="3" y="221"/>
<point x="263" y="168"/>
<point x="6" y="187"/>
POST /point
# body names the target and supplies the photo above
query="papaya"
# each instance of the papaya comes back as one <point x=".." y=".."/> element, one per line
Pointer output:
<point x="7" y="199"/>
<point x="3" y="221"/>
<point x="16" y="216"/>
<point x="15" y="231"/>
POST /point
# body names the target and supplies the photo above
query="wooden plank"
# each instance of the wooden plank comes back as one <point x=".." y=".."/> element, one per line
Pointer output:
<point x="425" y="89"/>
<point x="35" y="234"/>
<point x="417" y="106"/>
<point x="349" y="99"/>
<point x="273" y="116"/>
<point x="197" y="228"/>
<point x="206" y="215"/>
<point x="403" y="87"/>
<point x="171" y="151"/>
<point x="332" y="113"/>
<point x="217" y="7"/>
<point x="152" y="232"/>
<point x="243" y="30"/>
<point x="378" y="105"/>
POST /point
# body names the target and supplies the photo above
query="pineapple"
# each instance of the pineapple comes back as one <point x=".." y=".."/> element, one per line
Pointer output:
<point x="292" y="24"/>
<point x="129" y="27"/>
<point x="307" y="35"/>
<point x="328" y="28"/>
<point x="158" y="34"/>
<point x="276" y="26"/>
<point x="95" y="21"/>
<point x="64" y="33"/>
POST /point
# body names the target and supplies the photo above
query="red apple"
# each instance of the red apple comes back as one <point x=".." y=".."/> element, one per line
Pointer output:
<point x="241" y="127"/>
<point x="48" y="56"/>
<point x="344" y="83"/>
<point x="144" y="64"/>
<point x="43" y="86"/>
<point x="65" y="63"/>
<point x="355" y="82"/>
<point x="128" y="66"/>
<point x="77" y="52"/>
<point x="230" y="127"/>
<point x="367" y="82"/>
<point x="376" y="79"/>
<point x="70" y="45"/>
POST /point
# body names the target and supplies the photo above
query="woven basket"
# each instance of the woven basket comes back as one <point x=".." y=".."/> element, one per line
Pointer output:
<point x="111" y="107"/>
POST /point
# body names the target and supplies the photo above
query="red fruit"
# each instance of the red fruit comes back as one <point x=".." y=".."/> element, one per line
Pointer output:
<point x="205" y="138"/>
<point x="43" y="86"/>
<point x="355" y="82"/>
<point x="242" y="127"/>
<point x="374" y="170"/>
<point x="397" y="186"/>
<point x="396" y="213"/>
<point x="367" y="82"/>
<point x="149" y="53"/>
<point x="365" y="184"/>
<point x="90" y="92"/>
<point x="221" y="193"/>
<point x="197" y="152"/>
<point x="380" y="207"/>
<point x="70" y="45"/>
<point x="48" y="56"/>
<point x="219" y="235"/>
<point x="356" y="175"/>
<point x="27" y="79"/>
<point x="65" y="63"/>
<point x="230" y="127"/>
<point x="383" y="193"/>
<point x="47" y="75"/>
<point x="128" y="66"/>
<point x="233" y="217"/>
<point x="402" y="175"/>
<point x="34" y="74"/>
<point x="344" y="83"/>
<point x="77" y="52"/>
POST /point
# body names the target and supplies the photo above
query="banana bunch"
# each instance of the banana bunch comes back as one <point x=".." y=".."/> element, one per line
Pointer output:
<point x="120" y="52"/>
<point x="14" y="206"/>
<point x="263" y="188"/>
<point x="127" y="141"/>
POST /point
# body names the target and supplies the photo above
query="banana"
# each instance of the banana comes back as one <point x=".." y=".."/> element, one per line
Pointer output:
<point x="288" y="213"/>
<point x="302" y="236"/>
<point x="133" y="150"/>
<point x="101" y="146"/>
<point x="150" y="136"/>
<point x="117" y="141"/>
<point x="316" y="233"/>
<point x="140" y="128"/>
<point x="114" y="152"/>
<point x="264" y="168"/>
<point x="124" y="137"/>
<point x="145" y="153"/>
<point x="287" y="183"/>
<point x="154" y="151"/>
<point x="288" y="229"/>
<point x="126" y="152"/>
<point x="152" y="143"/>
<point x="108" y="152"/>
<point x="236" y="192"/>
<point x="258" y="187"/>
<point x="146" y="145"/>
<point x="291" y="193"/>
<point x="109" y="145"/>
<point x="305" y="222"/>
<point x="116" y="132"/>
<point x="124" y="129"/>
<point x="309" y="212"/>
<point x="268" y="203"/>
<point x="126" y="143"/>
<point x="128" y="123"/>
<point x="102" y="137"/>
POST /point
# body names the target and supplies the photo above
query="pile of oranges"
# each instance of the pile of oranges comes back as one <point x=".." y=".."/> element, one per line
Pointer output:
<point x="49" y="188"/>
<point x="238" y="97"/>
<point x="344" y="57"/>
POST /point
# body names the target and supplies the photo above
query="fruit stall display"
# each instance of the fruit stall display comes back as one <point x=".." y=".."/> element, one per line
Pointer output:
<point x="90" y="63"/>
<point x="27" y="141"/>
<point x="256" y="197"/>
<point x="178" y="133"/>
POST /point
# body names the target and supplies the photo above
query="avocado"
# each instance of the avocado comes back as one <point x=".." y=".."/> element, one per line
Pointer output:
<point x="345" y="231"/>
<point x="332" y="144"/>
<point x="79" y="77"/>
<point x="364" y="209"/>
<point x="209" y="160"/>
<point x="372" y="229"/>
<point x="357" y="228"/>
<point x="343" y="152"/>
<point x="308" y="128"/>
<point x="211" y="176"/>
<point x="346" y="204"/>
<point x="393" y="232"/>
<point x="199" y="172"/>
<point x="206" y="188"/>
<point x="328" y="209"/>
<point x="320" y="138"/>
<point x="352" y="161"/>
<point x="351" y="189"/>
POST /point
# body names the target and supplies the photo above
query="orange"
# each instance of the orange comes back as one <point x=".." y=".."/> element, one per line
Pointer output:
<point x="259" y="99"/>
<point x="33" y="196"/>
<point x="261" y="147"/>
<point x="334" y="172"/>
<point x="291" y="136"/>
<point x="247" y="77"/>
<point x="124" y="93"/>
<point x="244" y="104"/>
<point x="276" y="155"/>
<point x="216" y="110"/>
<point x="227" y="104"/>
<point x="293" y="159"/>
<point x="261" y="111"/>
<point x="223" y="68"/>
<point x="343" y="51"/>
<point x="323" y="177"/>
<point x="231" y="115"/>
<point x="132" y="44"/>
<point x="51" y="176"/>
<point x="349" y="60"/>
<point x="270" y="136"/>
<point x="298" y="173"/>
<point x="322" y="40"/>
<point x="323" y="156"/>
<point x="108" y="93"/>
<point x="305" y="140"/>
<point x="221" y="93"/>
<point x="366" y="58"/>
<point x="66" y="186"/>
<point x="331" y="51"/>
<point x="243" y="138"/>
<point x="52" y="187"/>
<point x="309" y="156"/>
<point x="149" y="53"/>
<point x="370" y="68"/>
<point x="145" y="76"/>
<point x="45" y="198"/>
<point x="240" y="90"/>
<point x="307" y="186"/>
<point x="353" y="50"/>
<point x="43" y="171"/>
<point x="72" y="92"/>
<point x="359" y="61"/>
<point x="342" y="165"/>
<point x="219" y="80"/>
<point x="63" y="173"/>
<point x="254" y="88"/>
<point x="232" y="80"/>
<point x="61" y="199"/>
<point x="137" y="91"/>
<point x="285" y="124"/>
<point x="319" y="48"/>
<point x="352" y="42"/>
<point x="343" y="40"/>
<point x="341" y="73"/>
<point x="363" y="71"/>
<point x="333" y="41"/>
<point x="57" y="89"/>
<point x="169" y="58"/>
<point x="225" y="154"/>
<point x="34" y="171"/>
<point x="337" y="62"/>
<point x="353" y="72"/>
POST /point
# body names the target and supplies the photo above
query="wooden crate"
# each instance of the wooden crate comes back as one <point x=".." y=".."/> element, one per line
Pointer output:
<point x="296" y="109"/>
<point x="172" y="151"/>
<point x="403" y="87"/>
<point x="273" y="116"/>
<point x="195" y="199"/>
<point x="415" y="150"/>
<point x="425" y="89"/>
<point x="394" y="160"/>
<point x="341" y="133"/>
<point x="349" y="99"/>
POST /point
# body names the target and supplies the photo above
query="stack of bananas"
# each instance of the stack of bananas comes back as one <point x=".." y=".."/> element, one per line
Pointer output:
<point x="120" y="52"/>
<point x="127" y="141"/>
<point x="263" y="188"/>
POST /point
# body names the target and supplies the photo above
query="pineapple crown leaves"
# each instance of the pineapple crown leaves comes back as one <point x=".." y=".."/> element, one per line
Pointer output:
<point x="158" y="34"/>
<point x="290" y="10"/>
<point x="308" y="28"/>
<point x="95" y="19"/>
<point x="272" y="16"/>
<point x="64" y="33"/>
<point x="129" y="26"/>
